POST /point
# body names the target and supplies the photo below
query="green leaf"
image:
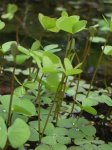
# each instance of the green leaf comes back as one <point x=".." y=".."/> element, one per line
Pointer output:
<point x="80" y="25"/>
<point x="18" y="133"/>
<point x="48" y="65"/>
<point x="89" y="102"/>
<point x="66" y="23"/>
<point x="3" y="133"/>
<point x="25" y="107"/>
<point x="107" y="50"/>
<point x="35" y="46"/>
<point x="97" y="39"/>
<point x="90" y="110"/>
<point x="22" y="106"/>
<point x="63" y="140"/>
<point x="20" y="59"/>
<point x="52" y="81"/>
<point x="65" y="123"/>
<point x="90" y="146"/>
<point x="106" y="99"/>
<point x="2" y="25"/>
<point x="67" y="64"/>
<point x="54" y="58"/>
<point x="75" y="148"/>
<point x="37" y="57"/>
<point x="105" y="147"/>
<point x="51" y="140"/>
<point x="43" y="147"/>
<point x="69" y="70"/>
<point x="5" y="100"/>
<point x="23" y="50"/>
<point x="75" y="133"/>
<point x="19" y="91"/>
<point x="52" y="48"/>
<point x="88" y="130"/>
<point x="111" y="24"/>
<point x="64" y="13"/>
<point x="11" y="10"/>
<point x="34" y="136"/>
<point x="48" y="23"/>
<point x="60" y="131"/>
<point x="80" y="141"/>
<point x="31" y="84"/>
<point x="58" y="147"/>
<point x="7" y="46"/>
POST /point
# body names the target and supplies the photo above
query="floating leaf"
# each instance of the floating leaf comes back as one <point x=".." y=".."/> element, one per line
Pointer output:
<point x="43" y="147"/>
<point x="18" y="133"/>
<point x="63" y="140"/>
<point x="3" y="133"/>
<point x="75" y="148"/>
<point x="90" y="110"/>
<point x="104" y="147"/>
<point x="51" y="140"/>
<point x="88" y="130"/>
<point x="58" y="147"/>
<point x="34" y="135"/>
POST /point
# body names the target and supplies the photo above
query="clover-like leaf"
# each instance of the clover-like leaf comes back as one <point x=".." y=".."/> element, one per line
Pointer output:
<point x="11" y="10"/>
<point x="3" y="133"/>
<point x="2" y="25"/>
<point x="48" y="23"/>
<point x="8" y="46"/>
<point x="107" y="50"/>
<point x="18" y="133"/>
<point x="66" y="23"/>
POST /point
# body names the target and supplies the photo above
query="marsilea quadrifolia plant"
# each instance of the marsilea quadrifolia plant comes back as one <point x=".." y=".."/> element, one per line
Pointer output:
<point x="36" y="111"/>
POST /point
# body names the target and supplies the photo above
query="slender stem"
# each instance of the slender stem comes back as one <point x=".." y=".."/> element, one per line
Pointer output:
<point x="11" y="97"/>
<point x="94" y="74"/>
<point x="38" y="99"/>
<point x="99" y="61"/>
<point x="69" y="45"/>
<point x="61" y="99"/>
<point x="77" y="87"/>
<point x="54" y="101"/>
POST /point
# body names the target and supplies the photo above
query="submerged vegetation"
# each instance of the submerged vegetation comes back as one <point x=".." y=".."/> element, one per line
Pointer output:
<point x="47" y="109"/>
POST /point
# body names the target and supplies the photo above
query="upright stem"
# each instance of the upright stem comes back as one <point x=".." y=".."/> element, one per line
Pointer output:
<point x="99" y="61"/>
<point x="11" y="97"/>
<point x="54" y="101"/>
<point x="61" y="99"/>
<point x="38" y="99"/>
